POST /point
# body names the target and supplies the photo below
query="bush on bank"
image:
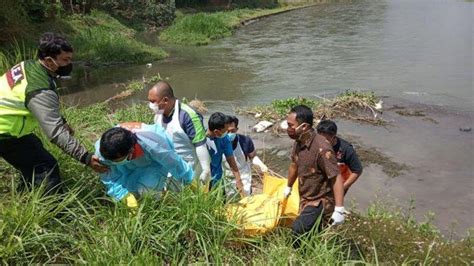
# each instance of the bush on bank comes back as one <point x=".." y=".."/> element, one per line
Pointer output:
<point x="97" y="38"/>
<point x="202" y="28"/>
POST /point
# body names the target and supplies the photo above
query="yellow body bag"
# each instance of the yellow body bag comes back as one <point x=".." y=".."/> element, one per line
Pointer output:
<point x="259" y="214"/>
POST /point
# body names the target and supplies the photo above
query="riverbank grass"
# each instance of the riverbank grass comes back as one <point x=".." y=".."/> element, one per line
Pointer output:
<point x="16" y="53"/>
<point x="202" y="28"/>
<point x="97" y="39"/>
<point x="86" y="226"/>
<point x="100" y="38"/>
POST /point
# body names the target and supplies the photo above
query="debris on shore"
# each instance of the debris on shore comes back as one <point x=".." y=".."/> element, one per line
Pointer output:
<point x="358" y="106"/>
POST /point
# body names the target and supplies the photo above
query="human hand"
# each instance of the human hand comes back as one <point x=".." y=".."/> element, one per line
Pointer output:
<point x="97" y="166"/>
<point x="240" y="186"/>
<point x="287" y="192"/>
<point x="263" y="168"/>
<point x="338" y="215"/>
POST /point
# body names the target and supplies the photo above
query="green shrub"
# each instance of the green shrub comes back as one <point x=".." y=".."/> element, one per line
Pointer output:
<point x="14" y="54"/>
<point x="202" y="28"/>
<point x="154" y="13"/>
<point x="100" y="38"/>
<point x="85" y="226"/>
<point x="198" y="29"/>
<point x="282" y="107"/>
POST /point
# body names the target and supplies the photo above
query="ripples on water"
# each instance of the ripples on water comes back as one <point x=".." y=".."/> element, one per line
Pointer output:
<point x="390" y="47"/>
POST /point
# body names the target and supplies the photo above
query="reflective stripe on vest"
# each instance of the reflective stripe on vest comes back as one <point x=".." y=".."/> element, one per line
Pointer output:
<point x="15" y="119"/>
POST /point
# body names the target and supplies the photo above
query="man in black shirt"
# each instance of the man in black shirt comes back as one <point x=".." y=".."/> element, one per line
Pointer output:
<point x="347" y="158"/>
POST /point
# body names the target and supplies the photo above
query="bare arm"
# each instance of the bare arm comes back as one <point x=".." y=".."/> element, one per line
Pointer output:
<point x="350" y="180"/>
<point x="292" y="174"/>
<point x="338" y="189"/>
<point x="235" y="171"/>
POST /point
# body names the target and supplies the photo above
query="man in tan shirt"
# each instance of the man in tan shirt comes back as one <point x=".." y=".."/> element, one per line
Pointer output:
<point x="313" y="161"/>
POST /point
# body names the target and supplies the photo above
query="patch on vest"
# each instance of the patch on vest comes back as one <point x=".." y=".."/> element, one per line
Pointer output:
<point x="15" y="75"/>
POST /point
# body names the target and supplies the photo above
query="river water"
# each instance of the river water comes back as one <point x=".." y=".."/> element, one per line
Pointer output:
<point x="419" y="50"/>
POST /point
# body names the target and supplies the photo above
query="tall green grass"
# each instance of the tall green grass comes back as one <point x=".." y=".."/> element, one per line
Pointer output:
<point x="198" y="29"/>
<point x="202" y="28"/>
<point x="100" y="38"/>
<point x="14" y="54"/>
<point x="85" y="226"/>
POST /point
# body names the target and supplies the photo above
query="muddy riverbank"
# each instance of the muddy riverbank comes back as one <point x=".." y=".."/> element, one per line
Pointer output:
<point x="423" y="161"/>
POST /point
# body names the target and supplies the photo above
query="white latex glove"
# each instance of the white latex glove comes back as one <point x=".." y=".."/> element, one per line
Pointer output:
<point x="205" y="162"/>
<point x="338" y="215"/>
<point x="287" y="192"/>
<point x="256" y="161"/>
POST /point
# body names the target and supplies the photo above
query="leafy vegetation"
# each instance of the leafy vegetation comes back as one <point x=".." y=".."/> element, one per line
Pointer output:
<point x="354" y="105"/>
<point x="85" y="226"/>
<point x="100" y="38"/>
<point x="202" y="28"/>
<point x="15" y="54"/>
<point x="96" y="37"/>
<point x="390" y="235"/>
<point x="157" y="13"/>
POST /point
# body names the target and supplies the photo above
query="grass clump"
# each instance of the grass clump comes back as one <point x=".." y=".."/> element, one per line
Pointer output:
<point x="99" y="38"/>
<point x="86" y="226"/>
<point x="96" y="38"/>
<point x="198" y="29"/>
<point x="14" y="54"/>
<point x="388" y="235"/>
<point x="202" y="28"/>
<point x="353" y="105"/>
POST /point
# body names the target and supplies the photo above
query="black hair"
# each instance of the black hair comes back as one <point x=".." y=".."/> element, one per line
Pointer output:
<point x="116" y="143"/>
<point x="218" y="120"/>
<point x="51" y="45"/>
<point x="303" y="114"/>
<point x="234" y="119"/>
<point x="327" y="127"/>
<point x="165" y="89"/>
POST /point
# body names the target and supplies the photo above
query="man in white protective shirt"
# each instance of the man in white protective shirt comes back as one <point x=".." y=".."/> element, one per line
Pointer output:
<point x="184" y="126"/>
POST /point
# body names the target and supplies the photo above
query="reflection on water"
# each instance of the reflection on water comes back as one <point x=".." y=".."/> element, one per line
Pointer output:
<point x="418" y="50"/>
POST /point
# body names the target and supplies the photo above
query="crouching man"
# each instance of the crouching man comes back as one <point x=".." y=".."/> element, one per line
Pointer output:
<point x="139" y="161"/>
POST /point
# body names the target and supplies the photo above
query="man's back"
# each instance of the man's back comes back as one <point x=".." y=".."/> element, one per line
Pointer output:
<point x="346" y="155"/>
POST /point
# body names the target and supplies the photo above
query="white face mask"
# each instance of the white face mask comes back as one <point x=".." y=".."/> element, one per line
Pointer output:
<point x="154" y="107"/>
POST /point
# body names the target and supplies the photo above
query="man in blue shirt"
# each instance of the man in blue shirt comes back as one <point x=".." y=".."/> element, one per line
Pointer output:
<point x="218" y="144"/>
<point x="245" y="156"/>
<point x="139" y="161"/>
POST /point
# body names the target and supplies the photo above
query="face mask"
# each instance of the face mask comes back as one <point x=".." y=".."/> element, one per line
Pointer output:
<point x="222" y="136"/>
<point x="63" y="71"/>
<point x="154" y="107"/>
<point x="122" y="162"/>
<point x="295" y="133"/>
<point x="232" y="136"/>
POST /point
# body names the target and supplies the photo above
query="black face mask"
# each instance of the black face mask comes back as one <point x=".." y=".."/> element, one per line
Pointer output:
<point x="64" y="71"/>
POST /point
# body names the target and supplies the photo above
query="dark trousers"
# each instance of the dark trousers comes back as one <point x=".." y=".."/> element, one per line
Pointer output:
<point x="35" y="163"/>
<point x="307" y="219"/>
